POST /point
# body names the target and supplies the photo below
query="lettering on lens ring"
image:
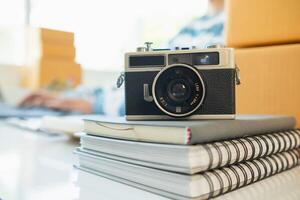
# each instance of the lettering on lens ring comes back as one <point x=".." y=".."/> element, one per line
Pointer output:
<point x="194" y="100"/>
<point x="197" y="87"/>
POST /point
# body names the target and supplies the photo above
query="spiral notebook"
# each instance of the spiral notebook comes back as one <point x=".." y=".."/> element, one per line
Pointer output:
<point x="190" y="159"/>
<point x="187" y="132"/>
<point x="284" y="186"/>
<point x="198" y="186"/>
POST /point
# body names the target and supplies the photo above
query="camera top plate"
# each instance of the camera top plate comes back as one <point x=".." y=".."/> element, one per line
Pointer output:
<point x="148" y="59"/>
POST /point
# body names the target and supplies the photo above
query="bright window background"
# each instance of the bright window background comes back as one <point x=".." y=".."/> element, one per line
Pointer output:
<point x="12" y="20"/>
<point x="105" y="30"/>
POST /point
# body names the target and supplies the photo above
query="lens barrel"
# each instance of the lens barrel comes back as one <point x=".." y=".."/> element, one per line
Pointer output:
<point x="178" y="90"/>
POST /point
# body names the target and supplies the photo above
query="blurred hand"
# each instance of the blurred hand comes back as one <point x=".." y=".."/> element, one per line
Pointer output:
<point x="71" y="104"/>
<point x="53" y="101"/>
<point x="38" y="99"/>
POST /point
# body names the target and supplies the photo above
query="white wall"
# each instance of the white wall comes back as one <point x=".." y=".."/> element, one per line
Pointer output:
<point x="94" y="78"/>
<point x="9" y="84"/>
<point x="9" y="75"/>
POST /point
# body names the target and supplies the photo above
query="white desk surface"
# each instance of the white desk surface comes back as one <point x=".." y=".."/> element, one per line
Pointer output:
<point x="35" y="167"/>
<point x="38" y="167"/>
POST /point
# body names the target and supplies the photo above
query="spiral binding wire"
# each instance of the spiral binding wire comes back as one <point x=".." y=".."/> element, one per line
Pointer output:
<point x="238" y="150"/>
<point x="237" y="175"/>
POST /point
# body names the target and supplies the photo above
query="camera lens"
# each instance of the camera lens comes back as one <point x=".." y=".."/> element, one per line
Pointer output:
<point x="178" y="90"/>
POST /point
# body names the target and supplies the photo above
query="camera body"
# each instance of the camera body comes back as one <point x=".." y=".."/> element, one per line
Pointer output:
<point x="185" y="83"/>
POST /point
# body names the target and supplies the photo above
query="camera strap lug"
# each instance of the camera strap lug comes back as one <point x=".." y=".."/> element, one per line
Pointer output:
<point x="237" y="75"/>
<point x="120" y="79"/>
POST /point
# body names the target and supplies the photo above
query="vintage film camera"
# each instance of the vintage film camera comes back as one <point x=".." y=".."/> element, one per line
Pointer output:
<point x="185" y="83"/>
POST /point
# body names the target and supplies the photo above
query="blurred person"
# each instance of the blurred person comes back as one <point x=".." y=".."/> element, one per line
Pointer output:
<point x="203" y="31"/>
<point x="57" y="102"/>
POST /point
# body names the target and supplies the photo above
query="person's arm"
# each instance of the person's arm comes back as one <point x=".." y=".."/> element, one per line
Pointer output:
<point x="93" y="103"/>
<point x="54" y="101"/>
<point x="80" y="105"/>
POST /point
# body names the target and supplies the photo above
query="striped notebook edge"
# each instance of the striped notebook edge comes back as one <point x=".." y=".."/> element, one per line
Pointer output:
<point x="230" y="178"/>
<point x="234" y="151"/>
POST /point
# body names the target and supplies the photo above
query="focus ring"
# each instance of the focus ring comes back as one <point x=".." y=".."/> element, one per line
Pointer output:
<point x="163" y="102"/>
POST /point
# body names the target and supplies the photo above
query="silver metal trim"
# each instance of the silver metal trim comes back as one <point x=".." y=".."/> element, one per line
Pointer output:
<point x="166" y="117"/>
<point x="184" y="51"/>
<point x="153" y="69"/>
<point x="148" y="46"/>
<point x="146" y="69"/>
<point x="215" y="46"/>
<point x="226" y="59"/>
<point x="141" y="49"/>
<point x="154" y="95"/>
<point x="147" y="96"/>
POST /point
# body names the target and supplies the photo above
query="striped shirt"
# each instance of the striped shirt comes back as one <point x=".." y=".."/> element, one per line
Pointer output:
<point x="201" y="32"/>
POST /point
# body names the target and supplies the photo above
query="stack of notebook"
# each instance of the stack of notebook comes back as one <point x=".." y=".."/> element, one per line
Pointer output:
<point x="189" y="159"/>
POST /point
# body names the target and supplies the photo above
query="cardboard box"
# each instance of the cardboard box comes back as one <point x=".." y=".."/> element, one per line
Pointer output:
<point x="48" y="72"/>
<point x="49" y="51"/>
<point x="270" y="80"/>
<point x="44" y="43"/>
<point x="43" y="35"/>
<point x="262" y="22"/>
